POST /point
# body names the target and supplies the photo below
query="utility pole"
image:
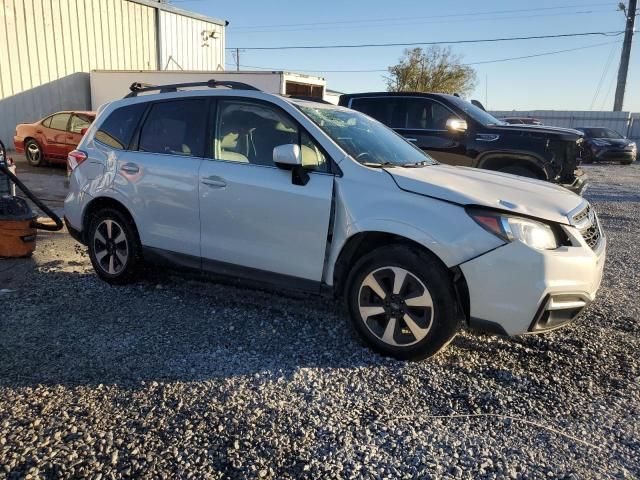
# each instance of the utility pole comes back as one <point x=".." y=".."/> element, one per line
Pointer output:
<point x="486" y="90"/>
<point x="237" y="59"/>
<point x="626" y="53"/>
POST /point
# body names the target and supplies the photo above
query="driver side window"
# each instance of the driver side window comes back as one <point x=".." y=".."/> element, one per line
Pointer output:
<point x="248" y="132"/>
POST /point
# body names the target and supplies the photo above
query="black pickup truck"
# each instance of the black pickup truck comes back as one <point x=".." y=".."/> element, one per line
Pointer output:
<point x="456" y="132"/>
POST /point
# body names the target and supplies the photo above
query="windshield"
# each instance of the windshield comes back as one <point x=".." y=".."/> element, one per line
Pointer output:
<point x="365" y="139"/>
<point x="601" y="133"/>
<point x="474" y="112"/>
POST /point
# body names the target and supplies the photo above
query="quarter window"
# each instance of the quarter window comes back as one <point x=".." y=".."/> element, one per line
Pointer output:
<point x="175" y="128"/>
<point x="47" y="122"/>
<point x="117" y="130"/>
<point x="248" y="133"/>
<point x="387" y="110"/>
<point x="59" y="121"/>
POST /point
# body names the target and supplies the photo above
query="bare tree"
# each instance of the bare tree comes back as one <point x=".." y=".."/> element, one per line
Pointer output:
<point x="435" y="69"/>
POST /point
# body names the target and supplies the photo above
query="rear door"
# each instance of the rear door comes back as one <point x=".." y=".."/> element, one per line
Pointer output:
<point x="157" y="174"/>
<point x="255" y="222"/>
<point x="55" y="136"/>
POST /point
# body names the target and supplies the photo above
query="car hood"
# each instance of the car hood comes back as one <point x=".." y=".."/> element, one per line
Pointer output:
<point x="471" y="186"/>
<point x="543" y="129"/>
<point x="616" y="142"/>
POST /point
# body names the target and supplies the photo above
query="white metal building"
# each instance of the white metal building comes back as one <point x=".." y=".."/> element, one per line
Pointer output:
<point x="48" y="48"/>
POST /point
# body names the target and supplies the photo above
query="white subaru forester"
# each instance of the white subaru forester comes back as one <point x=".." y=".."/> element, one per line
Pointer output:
<point x="291" y="193"/>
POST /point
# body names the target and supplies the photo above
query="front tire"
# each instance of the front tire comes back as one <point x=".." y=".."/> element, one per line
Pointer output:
<point x="401" y="302"/>
<point x="114" y="248"/>
<point x="33" y="152"/>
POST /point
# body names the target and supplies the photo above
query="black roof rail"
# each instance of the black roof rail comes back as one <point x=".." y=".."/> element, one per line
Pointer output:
<point x="138" y="87"/>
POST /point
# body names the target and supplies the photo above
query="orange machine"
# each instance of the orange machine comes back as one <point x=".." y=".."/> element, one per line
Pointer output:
<point x="18" y="223"/>
<point x="17" y="228"/>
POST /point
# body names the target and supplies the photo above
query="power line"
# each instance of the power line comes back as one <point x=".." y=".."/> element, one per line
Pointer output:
<point x="542" y="54"/>
<point x="411" y="21"/>
<point x="468" y="14"/>
<point x="605" y="71"/>
<point x="440" y="42"/>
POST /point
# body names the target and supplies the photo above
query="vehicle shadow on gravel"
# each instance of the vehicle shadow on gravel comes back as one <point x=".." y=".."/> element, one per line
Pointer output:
<point x="73" y="329"/>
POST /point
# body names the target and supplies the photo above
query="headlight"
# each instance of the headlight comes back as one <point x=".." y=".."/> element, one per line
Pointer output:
<point x="600" y="143"/>
<point x="511" y="228"/>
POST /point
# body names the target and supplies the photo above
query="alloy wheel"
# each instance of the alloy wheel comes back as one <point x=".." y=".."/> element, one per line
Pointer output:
<point x="110" y="247"/>
<point x="395" y="306"/>
<point x="33" y="153"/>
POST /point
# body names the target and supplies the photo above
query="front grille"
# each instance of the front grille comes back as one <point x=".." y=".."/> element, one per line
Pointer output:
<point x="588" y="225"/>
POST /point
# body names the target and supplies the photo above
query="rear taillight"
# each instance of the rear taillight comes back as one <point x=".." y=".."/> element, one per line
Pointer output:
<point x="75" y="158"/>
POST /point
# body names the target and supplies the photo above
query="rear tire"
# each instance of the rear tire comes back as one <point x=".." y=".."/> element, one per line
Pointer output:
<point x="520" y="171"/>
<point x="33" y="153"/>
<point x="401" y="302"/>
<point x="114" y="247"/>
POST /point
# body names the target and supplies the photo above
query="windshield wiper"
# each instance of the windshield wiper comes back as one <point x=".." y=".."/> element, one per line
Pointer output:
<point x="379" y="164"/>
<point x="423" y="163"/>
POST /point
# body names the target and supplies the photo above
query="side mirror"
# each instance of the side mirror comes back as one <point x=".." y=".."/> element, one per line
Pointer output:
<point x="288" y="157"/>
<point x="83" y="131"/>
<point x="456" y="125"/>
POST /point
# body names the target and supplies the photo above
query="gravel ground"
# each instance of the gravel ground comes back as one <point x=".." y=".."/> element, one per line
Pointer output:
<point x="176" y="377"/>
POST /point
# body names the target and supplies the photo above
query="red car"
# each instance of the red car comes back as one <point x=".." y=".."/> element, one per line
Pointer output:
<point x="52" y="138"/>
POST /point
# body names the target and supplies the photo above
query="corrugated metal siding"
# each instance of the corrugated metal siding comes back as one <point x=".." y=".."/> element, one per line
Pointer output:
<point x="625" y="123"/>
<point x="181" y="43"/>
<point x="44" y="41"/>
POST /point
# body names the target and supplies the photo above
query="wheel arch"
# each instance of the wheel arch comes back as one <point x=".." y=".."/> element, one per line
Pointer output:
<point x="498" y="160"/>
<point x="100" y="203"/>
<point x="363" y="242"/>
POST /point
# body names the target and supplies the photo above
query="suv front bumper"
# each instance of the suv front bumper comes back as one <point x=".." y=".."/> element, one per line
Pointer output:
<point x="578" y="184"/>
<point x="515" y="289"/>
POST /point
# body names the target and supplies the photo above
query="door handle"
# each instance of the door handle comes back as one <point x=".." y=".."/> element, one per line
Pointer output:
<point x="411" y="139"/>
<point x="130" y="168"/>
<point x="214" y="181"/>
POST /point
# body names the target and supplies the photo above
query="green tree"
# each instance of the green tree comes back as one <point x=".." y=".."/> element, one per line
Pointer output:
<point x="435" y="69"/>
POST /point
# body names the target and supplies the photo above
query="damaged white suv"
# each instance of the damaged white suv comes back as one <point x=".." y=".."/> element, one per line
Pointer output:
<point x="296" y="194"/>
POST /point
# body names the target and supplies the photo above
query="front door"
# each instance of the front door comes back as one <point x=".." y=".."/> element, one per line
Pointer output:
<point x="425" y="125"/>
<point x="254" y="220"/>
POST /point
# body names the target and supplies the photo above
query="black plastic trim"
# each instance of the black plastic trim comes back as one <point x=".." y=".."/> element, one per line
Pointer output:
<point x="486" y="326"/>
<point x="245" y="275"/>
<point x="75" y="234"/>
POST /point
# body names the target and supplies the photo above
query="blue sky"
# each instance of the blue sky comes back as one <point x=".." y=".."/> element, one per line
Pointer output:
<point x="562" y="81"/>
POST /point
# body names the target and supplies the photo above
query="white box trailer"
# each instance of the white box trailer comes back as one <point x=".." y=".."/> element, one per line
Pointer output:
<point x="109" y="85"/>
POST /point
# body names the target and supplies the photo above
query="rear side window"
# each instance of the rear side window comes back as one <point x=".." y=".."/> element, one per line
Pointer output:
<point x="59" y="121"/>
<point x="387" y="110"/>
<point x="47" y="122"/>
<point x="79" y="121"/>
<point x="117" y="130"/>
<point x="175" y="128"/>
